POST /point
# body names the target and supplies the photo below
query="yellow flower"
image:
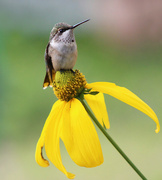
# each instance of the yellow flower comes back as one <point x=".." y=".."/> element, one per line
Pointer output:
<point x="69" y="121"/>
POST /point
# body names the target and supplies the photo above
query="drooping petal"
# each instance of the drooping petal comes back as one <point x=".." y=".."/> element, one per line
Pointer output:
<point x="38" y="153"/>
<point x="66" y="133"/>
<point x="80" y="137"/>
<point x="52" y="139"/>
<point x="126" y="96"/>
<point x="98" y="106"/>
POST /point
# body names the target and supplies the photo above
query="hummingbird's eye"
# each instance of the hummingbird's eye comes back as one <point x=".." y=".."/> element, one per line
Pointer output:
<point x="62" y="30"/>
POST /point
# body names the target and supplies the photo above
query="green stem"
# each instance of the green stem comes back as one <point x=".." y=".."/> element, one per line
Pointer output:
<point x="111" y="140"/>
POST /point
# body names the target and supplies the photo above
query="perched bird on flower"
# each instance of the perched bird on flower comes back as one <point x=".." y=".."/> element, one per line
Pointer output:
<point x="70" y="117"/>
<point x="61" y="51"/>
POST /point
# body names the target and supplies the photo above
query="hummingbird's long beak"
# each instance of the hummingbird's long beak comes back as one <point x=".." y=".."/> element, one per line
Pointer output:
<point x="74" y="26"/>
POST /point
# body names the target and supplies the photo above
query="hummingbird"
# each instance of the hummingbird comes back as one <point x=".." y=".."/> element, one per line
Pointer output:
<point x="61" y="50"/>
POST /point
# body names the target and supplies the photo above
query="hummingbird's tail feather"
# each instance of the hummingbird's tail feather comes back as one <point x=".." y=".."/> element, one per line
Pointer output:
<point x="48" y="80"/>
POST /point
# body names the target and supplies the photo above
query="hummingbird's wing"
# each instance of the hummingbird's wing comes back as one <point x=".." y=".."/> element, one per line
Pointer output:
<point x="50" y="72"/>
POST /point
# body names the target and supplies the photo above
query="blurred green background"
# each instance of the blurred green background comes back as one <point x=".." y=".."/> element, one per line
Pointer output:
<point x="110" y="48"/>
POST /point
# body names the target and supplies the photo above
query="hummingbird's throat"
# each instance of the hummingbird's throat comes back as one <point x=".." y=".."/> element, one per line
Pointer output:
<point x="68" y="84"/>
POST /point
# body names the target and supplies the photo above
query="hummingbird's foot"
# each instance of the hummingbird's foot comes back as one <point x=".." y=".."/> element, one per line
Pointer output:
<point x="72" y="71"/>
<point x="64" y="70"/>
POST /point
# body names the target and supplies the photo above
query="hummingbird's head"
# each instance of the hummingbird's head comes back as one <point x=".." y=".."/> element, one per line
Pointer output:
<point x="58" y="29"/>
<point x="64" y="32"/>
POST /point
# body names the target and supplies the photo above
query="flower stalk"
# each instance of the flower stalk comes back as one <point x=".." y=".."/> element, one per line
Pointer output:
<point x="87" y="108"/>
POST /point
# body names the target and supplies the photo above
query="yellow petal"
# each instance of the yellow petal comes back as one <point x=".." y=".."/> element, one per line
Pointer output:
<point x="80" y="137"/>
<point x="98" y="106"/>
<point x="126" y="96"/>
<point x="52" y="139"/>
<point x="38" y="153"/>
